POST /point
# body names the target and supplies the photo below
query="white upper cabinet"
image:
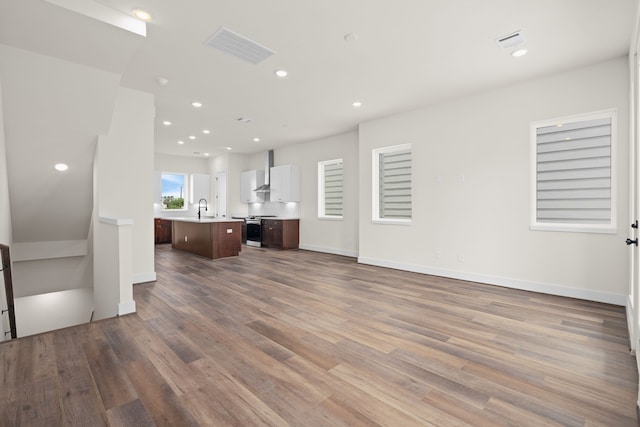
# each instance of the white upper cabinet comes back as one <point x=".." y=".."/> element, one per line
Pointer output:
<point x="285" y="183"/>
<point x="249" y="181"/>
<point x="200" y="187"/>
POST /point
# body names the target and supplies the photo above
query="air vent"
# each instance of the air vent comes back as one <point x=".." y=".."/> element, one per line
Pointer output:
<point x="238" y="46"/>
<point x="511" y="40"/>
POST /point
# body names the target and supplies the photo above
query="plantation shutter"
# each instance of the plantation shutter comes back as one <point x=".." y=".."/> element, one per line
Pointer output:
<point x="333" y="189"/>
<point x="395" y="184"/>
<point x="573" y="182"/>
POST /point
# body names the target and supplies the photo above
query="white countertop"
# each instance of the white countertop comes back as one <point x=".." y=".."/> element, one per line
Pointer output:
<point x="204" y="220"/>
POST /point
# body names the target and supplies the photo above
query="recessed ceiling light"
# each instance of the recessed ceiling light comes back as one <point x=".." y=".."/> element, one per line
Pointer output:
<point x="256" y="139"/>
<point x="196" y="104"/>
<point x="61" y="167"/>
<point x="162" y="81"/>
<point x="143" y="15"/>
<point x="180" y="142"/>
<point x="519" y="52"/>
<point x="206" y="131"/>
<point x="281" y="73"/>
<point x="357" y="104"/>
<point x="206" y="154"/>
<point x="166" y="123"/>
<point x="229" y="148"/>
<point x="192" y="137"/>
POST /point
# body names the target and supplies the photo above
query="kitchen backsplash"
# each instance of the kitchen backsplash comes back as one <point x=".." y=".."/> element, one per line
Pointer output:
<point x="287" y="210"/>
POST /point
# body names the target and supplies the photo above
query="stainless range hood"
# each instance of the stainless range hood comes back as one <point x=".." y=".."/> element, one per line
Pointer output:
<point x="266" y="187"/>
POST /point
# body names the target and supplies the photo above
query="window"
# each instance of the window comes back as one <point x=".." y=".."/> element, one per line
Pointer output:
<point x="330" y="189"/>
<point x="173" y="191"/>
<point x="392" y="184"/>
<point x="574" y="179"/>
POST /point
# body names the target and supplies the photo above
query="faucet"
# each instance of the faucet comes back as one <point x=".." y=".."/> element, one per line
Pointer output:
<point x="200" y="206"/>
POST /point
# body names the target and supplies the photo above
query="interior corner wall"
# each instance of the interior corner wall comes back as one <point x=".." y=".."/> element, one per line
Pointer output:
<point x="236" y="164"/>
<point x="471" y="199"/>
<point x="124" y="175"/>
<point x="322" y="235"/>
<point x="5" y="212"/>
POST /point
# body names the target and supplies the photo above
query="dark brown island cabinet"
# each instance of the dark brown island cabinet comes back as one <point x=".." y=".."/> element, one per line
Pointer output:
<point x="281" y="233"/>
<point x="211" y="239"/>
<point x="162" y="230"/>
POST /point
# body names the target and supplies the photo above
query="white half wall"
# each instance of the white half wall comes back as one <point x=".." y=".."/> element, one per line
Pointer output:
<point x="471" y="189"/>
<point x="51" y="275"/>
<point x="124" y="175"/>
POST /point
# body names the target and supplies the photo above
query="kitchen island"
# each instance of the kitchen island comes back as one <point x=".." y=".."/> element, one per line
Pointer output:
<point x="208" y="237"/>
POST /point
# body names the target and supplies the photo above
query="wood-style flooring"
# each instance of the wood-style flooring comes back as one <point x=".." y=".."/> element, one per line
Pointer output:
<point x="307" y="339"/>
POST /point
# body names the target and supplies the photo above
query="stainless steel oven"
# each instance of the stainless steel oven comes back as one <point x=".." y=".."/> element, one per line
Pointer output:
<point x="254" y="231"/>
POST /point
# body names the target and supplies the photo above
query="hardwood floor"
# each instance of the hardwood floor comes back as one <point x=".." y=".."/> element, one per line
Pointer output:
<point x="307" y="339"/>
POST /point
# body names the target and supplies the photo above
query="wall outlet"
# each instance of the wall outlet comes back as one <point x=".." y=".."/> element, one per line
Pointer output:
<point x="437" y="254"/>
<point x="438" y="179"/>
<point x="229" y="230"/>
<point x="185" y="238"/>
<point x="460" y="257"/>
<point x="460" y="177"/>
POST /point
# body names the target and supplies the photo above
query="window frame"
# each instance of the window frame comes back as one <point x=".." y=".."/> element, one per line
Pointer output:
<point x="321" y="189"/>
<point x="185" y="192"/>
<point x="375" y="184"/>
<point x="577" y="227"/>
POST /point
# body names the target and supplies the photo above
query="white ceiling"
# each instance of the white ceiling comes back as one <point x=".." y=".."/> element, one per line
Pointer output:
<point x="408" y="53"/>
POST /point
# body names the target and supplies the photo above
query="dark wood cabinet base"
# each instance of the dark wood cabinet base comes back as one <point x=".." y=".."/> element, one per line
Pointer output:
<point x="281" y="233"/>
<point x="208" y="239"/>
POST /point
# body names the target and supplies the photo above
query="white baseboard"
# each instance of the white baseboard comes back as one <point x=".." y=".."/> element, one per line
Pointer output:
<point x="545" y="288"/>
<point x="144" y="277"/>
<point x="629" y="307"/>
<point x="126" y="307"/>
<point x="335" y="251"/>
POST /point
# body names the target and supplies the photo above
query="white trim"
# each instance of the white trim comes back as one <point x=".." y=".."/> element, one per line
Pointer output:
<point x="330" y="218"/>
<point x="392" y="221"/>
<point x="611" y="228"/>
<point x="115" y="221"/>
<point x="144" y="278"/>
<point x="126" y="307"/>
<point x="335" y="251"/>
<point x="545" y="288"/>
<point x="629" y="310"/>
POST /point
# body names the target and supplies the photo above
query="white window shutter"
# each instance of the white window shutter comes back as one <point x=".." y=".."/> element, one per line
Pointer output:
<point x="573" y="172"/>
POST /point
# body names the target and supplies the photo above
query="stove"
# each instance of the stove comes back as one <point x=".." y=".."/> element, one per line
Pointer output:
<point x="254" y="229"/>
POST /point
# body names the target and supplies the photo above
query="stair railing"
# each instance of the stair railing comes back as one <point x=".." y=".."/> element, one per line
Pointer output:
<point x="8" y="287"/>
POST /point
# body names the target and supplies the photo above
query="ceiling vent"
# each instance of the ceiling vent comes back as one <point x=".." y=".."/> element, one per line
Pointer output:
<point x="511" y="40"/>
<point x="238" y="46"/>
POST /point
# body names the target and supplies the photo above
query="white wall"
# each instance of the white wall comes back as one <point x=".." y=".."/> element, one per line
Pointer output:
<point x="125" y="175"/>
<point x="333" y="236"/>
<point x="484" y="220"/>
<point x="236" y="164"/>
<point x="5" y="212"/>
<point x="52" y="275"/>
